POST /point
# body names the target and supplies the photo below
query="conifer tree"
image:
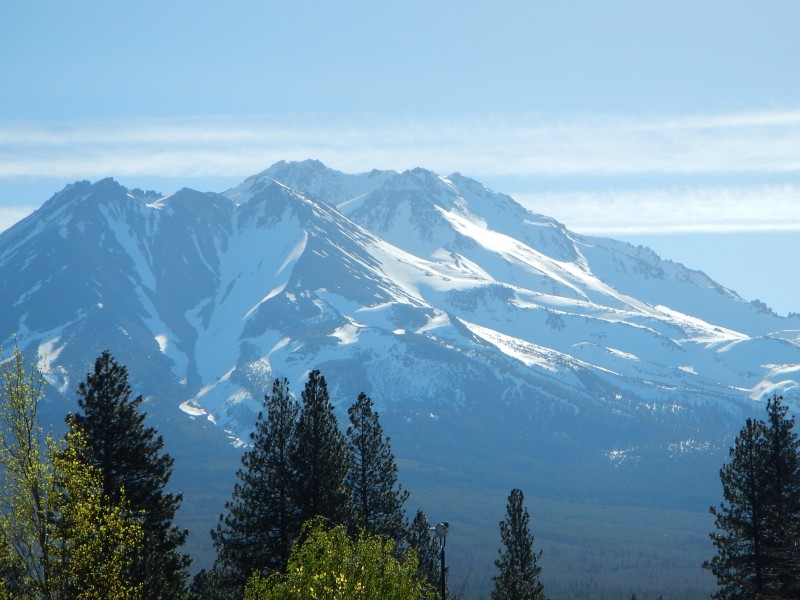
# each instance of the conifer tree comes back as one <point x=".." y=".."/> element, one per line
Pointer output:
<point x="130" y="458"/>
<point x="518" y="564"/>
<point x="783" y="507"/>
<point x="742" y="520"/>
<point x="757" y="523"/>
<point x="319" y="458"/>
<point x="376" y="497"/>
<point x="262" y="521"/>
<point x="427" y="549"/>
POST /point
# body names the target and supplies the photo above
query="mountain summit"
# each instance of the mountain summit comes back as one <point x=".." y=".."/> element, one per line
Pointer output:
<point x="502" y="349"/>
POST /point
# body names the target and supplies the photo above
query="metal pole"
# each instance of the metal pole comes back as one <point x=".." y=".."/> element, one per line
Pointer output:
<point x="440" y="531"/>
<point x="444" y="585"/>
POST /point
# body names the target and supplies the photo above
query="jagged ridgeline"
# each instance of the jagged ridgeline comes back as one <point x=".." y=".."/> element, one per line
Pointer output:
<point x="502" y="351"/>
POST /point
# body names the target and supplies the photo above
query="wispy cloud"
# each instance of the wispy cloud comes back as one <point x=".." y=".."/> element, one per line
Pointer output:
<point x="611" y="151"/>
<point x="758" y="142"/>
<point x="687" y="210"/>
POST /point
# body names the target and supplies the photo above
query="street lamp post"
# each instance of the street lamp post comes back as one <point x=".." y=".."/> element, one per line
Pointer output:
<point x="440" y="533"/>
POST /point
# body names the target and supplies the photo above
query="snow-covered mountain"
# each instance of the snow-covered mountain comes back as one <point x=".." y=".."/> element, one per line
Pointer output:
<point x="502" y="349"/>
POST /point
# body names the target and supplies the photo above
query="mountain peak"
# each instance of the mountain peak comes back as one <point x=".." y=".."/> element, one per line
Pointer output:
<point x="312" y="179"/>
<point x="463" y="315"/>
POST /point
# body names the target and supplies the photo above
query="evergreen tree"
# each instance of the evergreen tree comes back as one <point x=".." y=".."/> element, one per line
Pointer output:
<point x="783" y="501"/>
<point x="518" y="564"/>
<point x="427" y="550"/>
<point x="206" y="585"/>
<point x="262" y="521"/>
<point x="741" y="564"/>
<point x="757" y="524"/>
<point x="319" y="459"/>
<point x="131" y="463"/>
<point x="376" y="498"/>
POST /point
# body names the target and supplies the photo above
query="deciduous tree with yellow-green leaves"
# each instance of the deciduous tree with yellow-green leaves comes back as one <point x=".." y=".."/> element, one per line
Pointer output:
<point x="329" y="565"/>
<point x="57" y="538"/>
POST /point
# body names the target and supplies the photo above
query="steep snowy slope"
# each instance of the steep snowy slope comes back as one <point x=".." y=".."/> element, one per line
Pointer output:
<point x="546" y="285"/>
<point x="220" y="293"/>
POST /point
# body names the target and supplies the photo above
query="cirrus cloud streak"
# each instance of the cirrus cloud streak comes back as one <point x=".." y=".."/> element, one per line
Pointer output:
<point x="714" y="152"/>
<point x="758" y="142"/>
<point x="700" y="209"/>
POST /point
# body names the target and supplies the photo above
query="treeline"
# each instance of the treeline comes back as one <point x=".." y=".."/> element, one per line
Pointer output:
<point x="315" y="512"/>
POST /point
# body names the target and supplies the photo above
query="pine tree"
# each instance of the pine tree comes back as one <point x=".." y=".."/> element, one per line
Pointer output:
<point x="131" y="463"/>
<point x="757" y="524"/>
<point x="741" y="564"/>
<point x="783" y="501"/>
<point x="262" y="520"/>
<point x="518" y="564"/>
<point x="427" y="549"/>
<point x="319" y="458"/>
<point x="376" y="498"/>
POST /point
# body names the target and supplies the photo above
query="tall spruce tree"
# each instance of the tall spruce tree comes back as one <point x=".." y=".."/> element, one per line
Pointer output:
<point x="427" y="549"/>
<point x="518" y="564"/>
<point x="134" y="469"/>
<point x="741" y="564"/>
<point x="319" y="459"/>
<point x="263" y="520"/>
<point x="376" y="497"/>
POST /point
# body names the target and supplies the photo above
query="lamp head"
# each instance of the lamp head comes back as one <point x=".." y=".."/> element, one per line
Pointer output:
<point x="440" y="531"/>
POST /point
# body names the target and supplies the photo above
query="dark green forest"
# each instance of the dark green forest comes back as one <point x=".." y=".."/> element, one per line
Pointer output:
<point x="318" y="510"/>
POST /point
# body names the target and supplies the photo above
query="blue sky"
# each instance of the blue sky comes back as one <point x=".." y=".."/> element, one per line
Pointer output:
<point x="674" y="124"/>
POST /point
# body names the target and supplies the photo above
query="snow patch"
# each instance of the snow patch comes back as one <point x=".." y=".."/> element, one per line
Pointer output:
<point x="281" y="344"/>
<point x="192" y="409"/>
<point x="526" y="352"/>
<point x="620" y="456"/>
<point x="438" y="320"/>
<point x="163" y="342"/>
<point x="688" y="446"/>
<point x="48" y="353"/>
<point x="274" y="292"/>
<point x="774" y="381"/>
<point x="347" y="334"/>
<point x="294" y="253"/>
<point x="621" y="354"/>
<point x="56" y="375"/>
